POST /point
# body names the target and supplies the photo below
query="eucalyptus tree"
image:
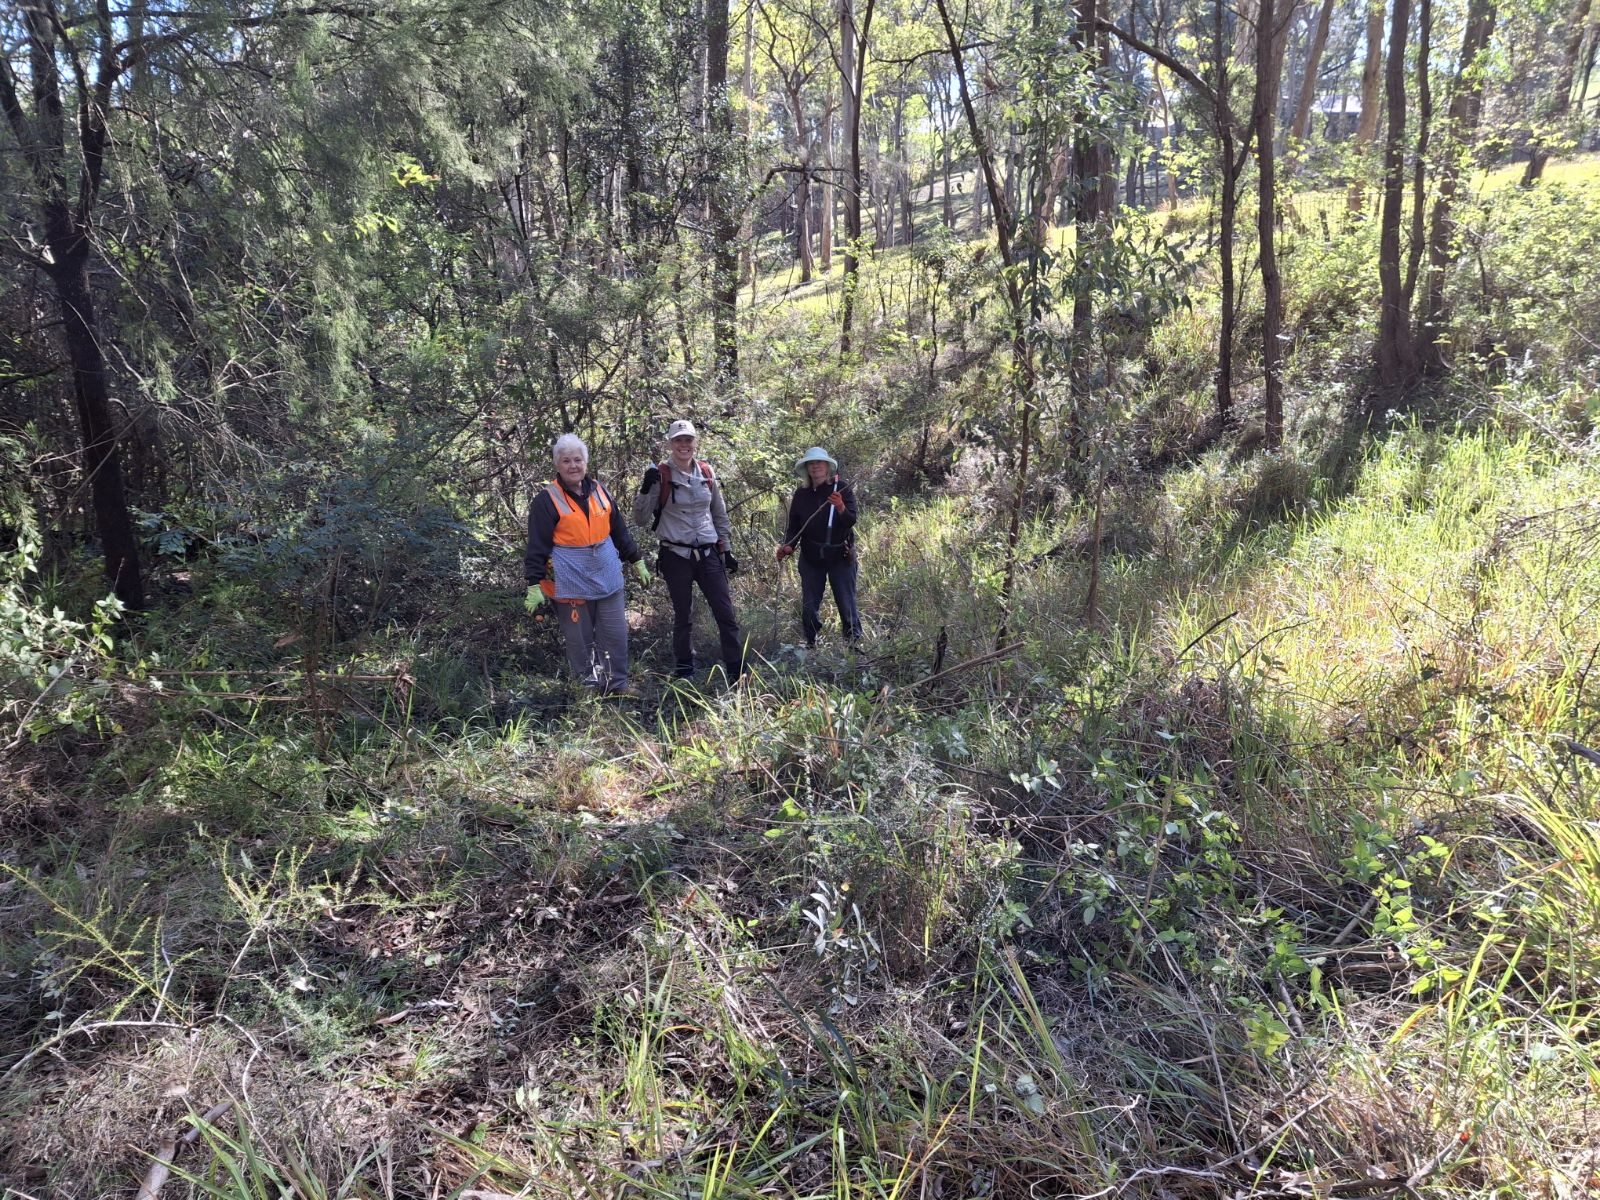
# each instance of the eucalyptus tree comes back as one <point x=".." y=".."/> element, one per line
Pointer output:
<point x="1557" y="105"/>
<point x="1456" y="153"/>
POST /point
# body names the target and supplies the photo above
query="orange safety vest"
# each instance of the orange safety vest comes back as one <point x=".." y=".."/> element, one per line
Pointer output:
<point x="577" y="524"/>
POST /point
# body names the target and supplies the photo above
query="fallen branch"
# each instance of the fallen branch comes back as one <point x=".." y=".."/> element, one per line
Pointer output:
<point x="1579" y="750"/>
<point x="983" y="659"/>
<point x="161" y="1165"/>
<point x="413" y="1008"/>
<point x="92" y="1027"/>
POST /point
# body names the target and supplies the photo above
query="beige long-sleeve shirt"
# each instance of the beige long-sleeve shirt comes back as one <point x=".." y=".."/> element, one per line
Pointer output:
<point x="694" y="515"/>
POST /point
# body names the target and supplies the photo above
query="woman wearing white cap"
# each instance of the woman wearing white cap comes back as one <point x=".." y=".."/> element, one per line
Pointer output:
<point x="822" y="526"/>
<point x="682" y="501"/>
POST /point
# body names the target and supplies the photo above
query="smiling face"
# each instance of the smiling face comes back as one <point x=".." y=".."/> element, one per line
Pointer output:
<point x="817" y="472"/>
<point x="683" y="448"/>
<point x="572" y="465"/>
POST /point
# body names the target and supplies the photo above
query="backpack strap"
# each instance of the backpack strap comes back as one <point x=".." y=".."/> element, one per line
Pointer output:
<point x="664" y="470"/>
<point x="665" y="495"/>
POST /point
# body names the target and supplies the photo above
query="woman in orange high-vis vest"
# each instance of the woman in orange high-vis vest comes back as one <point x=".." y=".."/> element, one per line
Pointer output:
<point x="577" y="543"/>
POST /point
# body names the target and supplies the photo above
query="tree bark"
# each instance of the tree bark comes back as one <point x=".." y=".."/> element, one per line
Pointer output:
<point x="852" y="70"/>
<point x="724" y="223"/>
<point x="41" y="138"/>
<point x="1088" y="165"/>
<point x="1420" y="164"/>
<point x="746" y="222"/>
<point x="1371" y="72"/>
<point x="1397" y="365"/>
<point x="1461" y="125"/>
<point x="1222" y="111"/>
<point x="1269" y="40"/>
<point x="1560" y="102"/>
<point x="1301" y="128"/>
<point x="1021" y="350"/>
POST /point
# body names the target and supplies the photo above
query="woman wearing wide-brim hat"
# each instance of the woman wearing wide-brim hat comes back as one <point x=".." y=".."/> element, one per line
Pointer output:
<point x="822" y="524"/>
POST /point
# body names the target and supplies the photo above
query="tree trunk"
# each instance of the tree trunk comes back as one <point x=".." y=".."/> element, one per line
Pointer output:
<point x="1269" y="40"/>
<point x="802" y="225"/>
<point x="42" y="139"/>
<point x="1420" y="166"/>
<point x="1172" y="138"/>
<point x="1300" y="130"/>
<point x="1397" y="364"/>
<point x="949" y="207"/>
<point x="1560" y="102"/>
<point x="747" y="264"/>
<point x="720" y="194"/>
<point x="1371" y="70"/>
<point x="1229" y="187"/>
<point x="1088" y="165"/>
<point x="80" y="328"/>
<point x="830" y="160"/>
<point x="1022" y="375"/>
<point x="852" y="69"/>
<point x="1461" y="125"/>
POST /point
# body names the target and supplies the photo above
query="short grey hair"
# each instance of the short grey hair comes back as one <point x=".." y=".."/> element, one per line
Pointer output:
<point x="569" y="441"/>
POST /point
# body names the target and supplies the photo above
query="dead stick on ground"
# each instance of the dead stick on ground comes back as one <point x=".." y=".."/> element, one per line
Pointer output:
<point x="1582" y="751"/>
<point x="981" y="660"/>
<point x="161" y="1167"/>
<point x="89" y="1028"/>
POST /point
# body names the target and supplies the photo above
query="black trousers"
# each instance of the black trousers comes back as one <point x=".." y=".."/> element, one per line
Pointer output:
<point x="841" y="576"/>
<point x="705" y="568"/>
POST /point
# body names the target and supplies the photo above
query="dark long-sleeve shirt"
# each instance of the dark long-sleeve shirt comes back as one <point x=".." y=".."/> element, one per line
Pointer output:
<point x="822" y="541"/>
<point x="542" y="517"/>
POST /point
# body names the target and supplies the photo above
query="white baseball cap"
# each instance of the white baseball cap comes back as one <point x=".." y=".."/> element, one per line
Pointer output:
<point x="681" y="428"/>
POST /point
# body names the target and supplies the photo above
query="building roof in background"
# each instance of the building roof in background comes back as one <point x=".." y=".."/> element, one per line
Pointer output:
<point x="1339" y="104"/>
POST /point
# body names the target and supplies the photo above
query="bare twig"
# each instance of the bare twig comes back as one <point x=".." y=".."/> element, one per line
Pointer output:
<point x="983" y="659"/>
<point x="1579" y="750"/>
<point x="92" y="1027"/>
<point x="161" y="1165"/>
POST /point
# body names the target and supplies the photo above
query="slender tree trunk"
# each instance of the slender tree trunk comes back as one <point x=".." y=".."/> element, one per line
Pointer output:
<point x="852" y="69"/>
<point x="66" y="224"/>
<point x="1424" y="131"/>
<point x="720" y="193"/>
<point x="1461" y="126"/>
<point x="1371" y="72"/>
<point x="747" y="220"/>
<point x="1397" y="366"/>
<point x="1022" y="354"/>
<point x="802" y="226"/>
<point x="1269" y="40"/>
<point x="1561" y="95"/>
<point x="1228" y="216"/>
<point x="1172" y="138"/>
<point x="1088" y="165"/>
<point x="1588" y="73"/>
<point x="830" y="160"/>
<point x="1301" y="128"/>
<point x="113" y="521"/>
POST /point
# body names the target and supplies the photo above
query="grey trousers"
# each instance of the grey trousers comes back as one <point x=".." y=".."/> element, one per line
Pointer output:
<point x="596" y="632"/>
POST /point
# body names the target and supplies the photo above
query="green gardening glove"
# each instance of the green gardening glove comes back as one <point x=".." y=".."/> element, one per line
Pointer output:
<point x="643" y="569"/>
<point x="535" y="599"/>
